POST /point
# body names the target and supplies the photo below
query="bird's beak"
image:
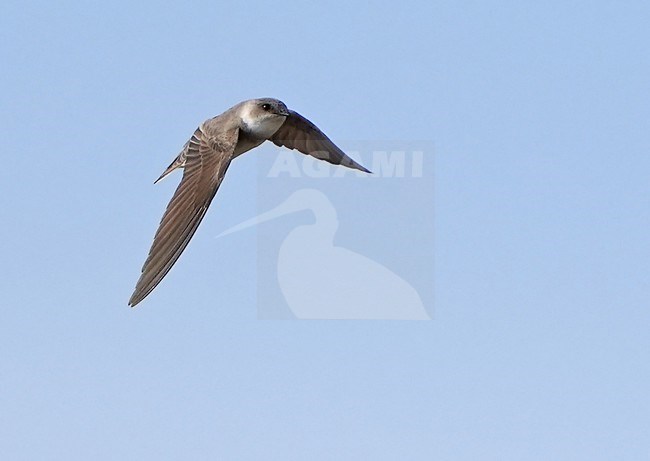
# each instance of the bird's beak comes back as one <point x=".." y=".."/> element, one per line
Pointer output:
<point x="284" y="112"/>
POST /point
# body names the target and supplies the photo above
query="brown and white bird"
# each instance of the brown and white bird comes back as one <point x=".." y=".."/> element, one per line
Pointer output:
<point x="205" y="159"/>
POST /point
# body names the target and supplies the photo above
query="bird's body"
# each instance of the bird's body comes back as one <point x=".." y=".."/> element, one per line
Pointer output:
<point x="205" y="159"/>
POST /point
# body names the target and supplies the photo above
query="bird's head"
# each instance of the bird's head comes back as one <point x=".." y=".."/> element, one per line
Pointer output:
<point x="262" y="117"/>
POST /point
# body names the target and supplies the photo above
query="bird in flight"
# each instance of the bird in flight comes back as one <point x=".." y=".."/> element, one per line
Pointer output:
<point x="205" y="159"/>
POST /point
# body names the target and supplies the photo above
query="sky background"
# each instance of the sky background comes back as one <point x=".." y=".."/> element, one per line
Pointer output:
<point x="539" y="345"/>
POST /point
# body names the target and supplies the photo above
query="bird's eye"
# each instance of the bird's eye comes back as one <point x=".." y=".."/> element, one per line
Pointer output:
<point x="266" y="106"/>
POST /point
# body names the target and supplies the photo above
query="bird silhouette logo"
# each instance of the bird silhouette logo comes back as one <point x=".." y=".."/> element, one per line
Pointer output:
<point x="320" y="280"/>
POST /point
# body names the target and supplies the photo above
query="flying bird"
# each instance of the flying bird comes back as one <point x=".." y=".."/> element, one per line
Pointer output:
<point x="205" y="159"/>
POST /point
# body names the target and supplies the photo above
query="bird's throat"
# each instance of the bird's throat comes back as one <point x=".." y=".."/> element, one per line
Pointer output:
<point x="262" y="128"/>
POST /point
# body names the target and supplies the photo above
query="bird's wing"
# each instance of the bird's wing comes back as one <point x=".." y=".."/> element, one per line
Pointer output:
<point x="206" y="162"/>
<point x="299" y="133"/>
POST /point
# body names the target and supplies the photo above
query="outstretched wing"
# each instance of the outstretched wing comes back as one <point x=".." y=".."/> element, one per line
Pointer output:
<point x="299" y="133"/>
<point x="206" y="162"/>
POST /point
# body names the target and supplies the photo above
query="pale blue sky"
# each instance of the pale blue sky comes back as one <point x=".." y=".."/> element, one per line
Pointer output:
<point x="540" y="118"/>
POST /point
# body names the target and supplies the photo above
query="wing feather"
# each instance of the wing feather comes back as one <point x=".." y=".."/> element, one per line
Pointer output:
<point x="206" y="162"/>
<point x="299" y="133"/>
